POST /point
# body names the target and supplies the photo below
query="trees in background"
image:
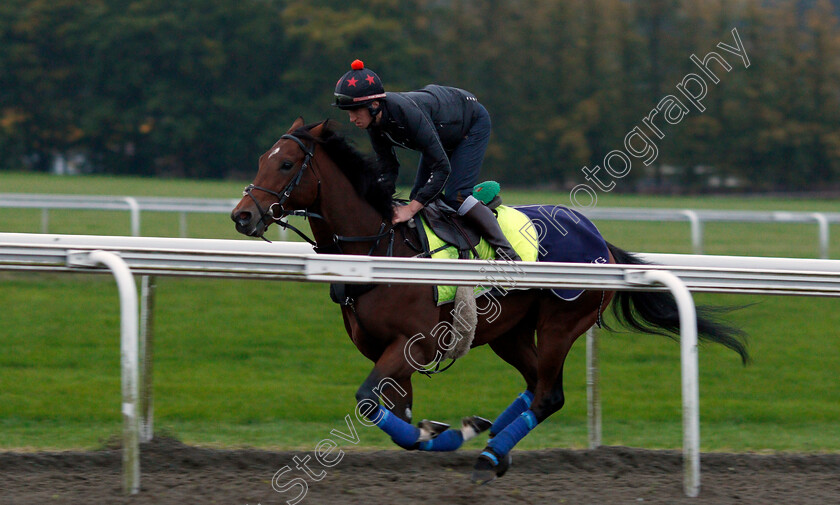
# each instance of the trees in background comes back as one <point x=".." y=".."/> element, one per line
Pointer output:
<point x="173" y="88"/>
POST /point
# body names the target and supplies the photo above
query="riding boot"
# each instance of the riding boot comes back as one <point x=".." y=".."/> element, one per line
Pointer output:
<point x="483" y="219"/>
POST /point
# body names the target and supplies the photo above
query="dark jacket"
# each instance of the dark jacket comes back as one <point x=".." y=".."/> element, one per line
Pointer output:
<point x="433" y="120"/>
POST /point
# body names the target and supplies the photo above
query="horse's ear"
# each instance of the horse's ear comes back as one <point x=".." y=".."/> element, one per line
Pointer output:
<point x="297" y="124"/>
<point x="318" y="130"/>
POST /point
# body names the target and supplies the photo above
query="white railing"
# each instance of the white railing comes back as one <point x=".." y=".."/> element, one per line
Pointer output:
<point x="698" y="217"/>
<point x="183" y="206"/>
<point x="132" y="204"/>
<point x="680" y="274"/>
<point x="294" y="261"/>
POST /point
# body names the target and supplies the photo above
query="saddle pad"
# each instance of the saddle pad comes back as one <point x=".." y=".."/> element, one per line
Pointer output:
<point x="564" y="235"/>
<point x="511" y="221"/>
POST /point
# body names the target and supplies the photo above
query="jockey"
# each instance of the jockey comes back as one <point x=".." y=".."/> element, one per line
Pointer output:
<point x="446" y="125"/>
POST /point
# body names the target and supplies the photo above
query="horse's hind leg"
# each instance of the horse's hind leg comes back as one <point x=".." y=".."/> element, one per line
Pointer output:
<point x="559" y="325"/>
<point x="517" y="349"/>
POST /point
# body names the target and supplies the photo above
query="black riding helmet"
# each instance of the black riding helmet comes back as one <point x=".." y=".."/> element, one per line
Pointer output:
<point x="358" y="87"/>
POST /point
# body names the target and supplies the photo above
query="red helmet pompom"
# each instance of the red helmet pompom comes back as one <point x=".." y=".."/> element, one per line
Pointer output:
<point x="357" y="65"/>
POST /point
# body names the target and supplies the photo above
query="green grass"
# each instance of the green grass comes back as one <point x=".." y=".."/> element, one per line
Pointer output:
<point x="269" y="364"/>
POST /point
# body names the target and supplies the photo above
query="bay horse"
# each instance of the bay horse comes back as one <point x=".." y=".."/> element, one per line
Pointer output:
<point x="315" y="171"/>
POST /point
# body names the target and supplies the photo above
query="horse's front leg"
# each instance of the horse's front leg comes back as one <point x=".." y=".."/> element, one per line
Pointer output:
<point x="390" y="381"/>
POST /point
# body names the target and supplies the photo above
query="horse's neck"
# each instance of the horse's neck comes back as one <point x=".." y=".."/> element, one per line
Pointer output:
<point x="321" y="232"/>
<point x="345" y="213"/>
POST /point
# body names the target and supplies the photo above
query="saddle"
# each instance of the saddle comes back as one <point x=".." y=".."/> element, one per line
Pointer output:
<point x="444" y="222"/>
<point x="454" y="229"/>
<point x="450" y="227"/>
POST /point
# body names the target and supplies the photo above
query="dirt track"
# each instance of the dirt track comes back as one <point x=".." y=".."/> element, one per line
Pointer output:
<point x="173" y="473"/>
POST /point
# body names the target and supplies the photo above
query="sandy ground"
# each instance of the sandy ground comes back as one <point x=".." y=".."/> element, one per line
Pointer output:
<point x="173" y="473"/>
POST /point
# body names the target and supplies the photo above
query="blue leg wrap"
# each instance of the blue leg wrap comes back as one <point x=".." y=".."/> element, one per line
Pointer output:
<point x="516" y="431"/>
<point x="492" y="457"/>
<point x="449" y="440"/>
<point x="402" y="433"/>
<point x="520" y="405"/>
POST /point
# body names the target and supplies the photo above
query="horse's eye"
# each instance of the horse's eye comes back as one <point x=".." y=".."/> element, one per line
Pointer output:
<point x="287" y="165"/>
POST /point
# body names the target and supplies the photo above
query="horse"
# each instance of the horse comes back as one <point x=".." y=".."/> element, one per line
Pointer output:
<point x="314" y="171"/>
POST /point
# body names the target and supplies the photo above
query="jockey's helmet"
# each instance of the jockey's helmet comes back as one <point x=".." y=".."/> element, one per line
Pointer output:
<point x="358" y="87"/>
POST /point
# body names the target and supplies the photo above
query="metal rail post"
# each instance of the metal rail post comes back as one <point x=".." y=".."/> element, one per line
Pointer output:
<point x="688" y="358"/>
<point x="146" y="349"/>
<point x="128" y="357"/>
<point x="593" y="391"/>
<point x="134" y="207"/>
<point x="822" y="224"/>
<point x="696" y="230"/>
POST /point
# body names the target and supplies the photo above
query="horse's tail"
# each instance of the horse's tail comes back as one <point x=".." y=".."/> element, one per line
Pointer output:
<point x="656" y="312"/>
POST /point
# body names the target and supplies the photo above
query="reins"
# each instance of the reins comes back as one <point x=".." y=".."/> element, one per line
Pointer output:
<point x="376" y="239"/>
<point x="286" y="194"/>
<point x="278" y="217"/>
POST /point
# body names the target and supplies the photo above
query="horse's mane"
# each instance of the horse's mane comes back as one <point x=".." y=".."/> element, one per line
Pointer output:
<point x="363" y="171"/>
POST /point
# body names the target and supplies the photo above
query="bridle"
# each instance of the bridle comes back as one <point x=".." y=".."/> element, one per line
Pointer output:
<point x="269" y="215"/>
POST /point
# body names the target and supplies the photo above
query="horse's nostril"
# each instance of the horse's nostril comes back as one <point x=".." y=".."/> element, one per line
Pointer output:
<point x="243" y="218"/>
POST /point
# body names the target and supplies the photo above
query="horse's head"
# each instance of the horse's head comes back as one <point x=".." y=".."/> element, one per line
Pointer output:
<point x="284" y="182"/>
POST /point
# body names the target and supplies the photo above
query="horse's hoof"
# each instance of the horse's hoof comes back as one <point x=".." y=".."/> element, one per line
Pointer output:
<point x="486" y="470"/>
<point x="472" y="426"/>
<point x="431" y="429"/>
<point x="504" y="465"/>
